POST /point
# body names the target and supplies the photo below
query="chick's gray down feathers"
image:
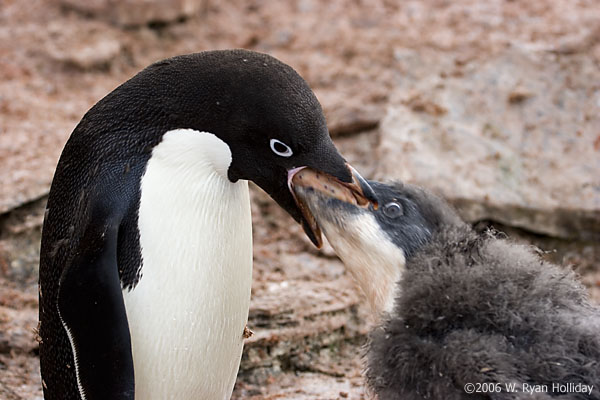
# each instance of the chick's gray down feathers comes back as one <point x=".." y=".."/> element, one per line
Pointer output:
<point x="476" y="308"/>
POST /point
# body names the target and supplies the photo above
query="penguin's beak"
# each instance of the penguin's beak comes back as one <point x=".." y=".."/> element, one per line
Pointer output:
<point x="358" y="192"/>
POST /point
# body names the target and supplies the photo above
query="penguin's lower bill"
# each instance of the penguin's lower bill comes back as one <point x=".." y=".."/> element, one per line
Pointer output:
<point x="352" y="193"/>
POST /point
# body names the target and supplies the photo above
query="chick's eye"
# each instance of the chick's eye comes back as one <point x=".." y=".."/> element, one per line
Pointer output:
<point x="280" y="148"/>
<point x="392" y="210"/>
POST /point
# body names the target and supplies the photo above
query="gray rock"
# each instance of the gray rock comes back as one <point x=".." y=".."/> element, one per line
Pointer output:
<point x="90" y="47"/>
<point x="514" y="139"/>
<point x="136" y="13"/>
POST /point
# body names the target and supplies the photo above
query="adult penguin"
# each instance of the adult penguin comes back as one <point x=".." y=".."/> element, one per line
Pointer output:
<point x="146" y="255"/>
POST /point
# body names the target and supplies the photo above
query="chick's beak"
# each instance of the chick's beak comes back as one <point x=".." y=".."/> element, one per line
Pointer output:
<point x="358" y="189"/>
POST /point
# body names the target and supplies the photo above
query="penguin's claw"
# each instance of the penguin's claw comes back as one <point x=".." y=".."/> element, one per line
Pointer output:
<point x="247" y="332"/>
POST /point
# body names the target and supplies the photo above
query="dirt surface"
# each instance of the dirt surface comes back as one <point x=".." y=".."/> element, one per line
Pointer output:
<point x="57" y="58"/>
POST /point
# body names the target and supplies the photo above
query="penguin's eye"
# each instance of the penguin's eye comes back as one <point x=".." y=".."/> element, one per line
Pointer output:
<point x="280" y="148"/>
<point x="392" y="210"/>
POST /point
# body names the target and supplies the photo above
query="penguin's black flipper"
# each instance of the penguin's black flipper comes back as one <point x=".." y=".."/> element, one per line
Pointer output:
<point x="92" y="310"/>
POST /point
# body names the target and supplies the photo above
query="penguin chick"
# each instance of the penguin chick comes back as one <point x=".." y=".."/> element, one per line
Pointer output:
<point x="457" y="307"/>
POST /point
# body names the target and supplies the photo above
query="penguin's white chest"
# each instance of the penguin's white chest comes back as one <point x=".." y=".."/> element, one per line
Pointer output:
<point x="188" y="312"/>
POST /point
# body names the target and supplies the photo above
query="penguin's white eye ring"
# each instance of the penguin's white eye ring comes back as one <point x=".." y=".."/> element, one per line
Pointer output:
<point x="393" y="210"/>
<point x="280" y="148"/>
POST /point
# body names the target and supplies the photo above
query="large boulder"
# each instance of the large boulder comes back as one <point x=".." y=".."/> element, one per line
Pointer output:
<point x="513" y="139"/>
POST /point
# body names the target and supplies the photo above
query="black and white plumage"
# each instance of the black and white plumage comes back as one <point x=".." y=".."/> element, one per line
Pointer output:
<point x="464" y="308"/>
<point x="146" y="255"/>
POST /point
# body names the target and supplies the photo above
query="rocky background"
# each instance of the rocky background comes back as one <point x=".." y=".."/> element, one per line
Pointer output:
<point x="494" y="104"/>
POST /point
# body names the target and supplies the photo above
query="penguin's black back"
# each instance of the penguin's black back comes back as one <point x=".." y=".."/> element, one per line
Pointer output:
<point x="474" y="309"/>
<point x="106" y="155"/>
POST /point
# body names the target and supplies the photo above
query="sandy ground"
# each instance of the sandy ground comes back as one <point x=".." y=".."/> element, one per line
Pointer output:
<point x="56" y="61"/>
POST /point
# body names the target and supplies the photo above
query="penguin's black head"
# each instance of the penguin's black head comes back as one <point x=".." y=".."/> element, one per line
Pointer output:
<point x="264" y="111"/>
<point x="374" y="243"/>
